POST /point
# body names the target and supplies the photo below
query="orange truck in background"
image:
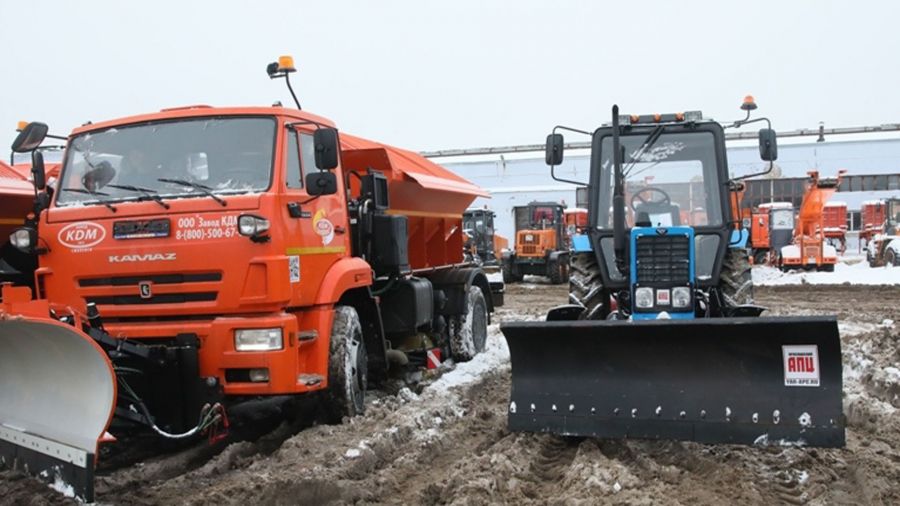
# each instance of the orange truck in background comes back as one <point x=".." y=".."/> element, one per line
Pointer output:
<point x="771" y="228"/>
<point x="835" y="223"/>
<point x="809" y="248"/>
<point x="541" y="246"/>
<point x="576" y="221"/>
<point x="211" y="256"/>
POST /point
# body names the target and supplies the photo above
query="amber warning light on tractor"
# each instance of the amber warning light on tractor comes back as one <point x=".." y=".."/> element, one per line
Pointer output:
<point x="286" y="64"/>
<point x="635" y="119"/>
<point x="21" y="126"/>
<point x="749" y="103"/>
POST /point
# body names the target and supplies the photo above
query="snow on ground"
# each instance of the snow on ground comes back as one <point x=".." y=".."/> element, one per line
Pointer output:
<point x="856" y="274"/>
<point x="495" y="356"/>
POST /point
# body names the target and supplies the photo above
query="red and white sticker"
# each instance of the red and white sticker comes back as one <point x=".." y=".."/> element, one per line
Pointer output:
<point x="801" y="365"/>
<point x="662" y="297"/>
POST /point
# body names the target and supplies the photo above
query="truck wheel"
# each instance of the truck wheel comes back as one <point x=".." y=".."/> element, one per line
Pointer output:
<point x="468" y="332"/>
<point x="509" y="274"/>
<point x="347" y="366"/>
<point x="891" y="258"/>
<point x="586" y="287"/>
<point x="736" y="279"/>
<point x="558" y="271"/>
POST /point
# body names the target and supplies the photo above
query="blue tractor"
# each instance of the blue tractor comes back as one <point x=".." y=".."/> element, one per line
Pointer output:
<point x="661" y="338"/>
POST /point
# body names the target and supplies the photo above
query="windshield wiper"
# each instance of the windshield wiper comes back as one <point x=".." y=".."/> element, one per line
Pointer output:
<point x="647" y="144"/>
<point x="92" y="194"/>
<point x="148" y="193"/>
<point x="206" y="190"/>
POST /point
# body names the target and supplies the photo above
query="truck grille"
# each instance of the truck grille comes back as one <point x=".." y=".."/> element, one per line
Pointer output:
<point x="663" y="260"/>
<point x="183" y="281"/>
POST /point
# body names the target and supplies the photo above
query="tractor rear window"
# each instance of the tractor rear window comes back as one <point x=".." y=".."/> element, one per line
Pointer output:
<point x="169" y="159"/>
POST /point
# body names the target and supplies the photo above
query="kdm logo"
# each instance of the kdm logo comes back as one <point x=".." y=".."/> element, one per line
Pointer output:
<point x="81" y="235"/>
<point x="148" y="257"/>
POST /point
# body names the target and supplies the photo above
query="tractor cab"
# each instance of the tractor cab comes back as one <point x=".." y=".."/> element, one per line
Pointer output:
<point x="478" y="225"/>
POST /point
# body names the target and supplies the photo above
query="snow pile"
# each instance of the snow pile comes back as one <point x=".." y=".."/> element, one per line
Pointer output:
<point x="856" y="274"/>
<point x="494" y="356"/>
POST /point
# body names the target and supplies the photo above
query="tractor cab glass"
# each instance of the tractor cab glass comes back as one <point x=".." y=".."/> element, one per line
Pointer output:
<point x="672" y="182"/>
<point x="169" y="159"/>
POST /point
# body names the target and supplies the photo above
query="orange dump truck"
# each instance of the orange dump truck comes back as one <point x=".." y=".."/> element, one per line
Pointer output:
<point x="835" y="222"/>
<point x="209" y="256"/>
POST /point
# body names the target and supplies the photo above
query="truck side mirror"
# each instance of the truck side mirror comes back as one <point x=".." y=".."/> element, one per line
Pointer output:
<point x="768" y="145"/>
<point x="321" y="183"/>
<point x="325" y="141"/>
<point x="38" y="176"/>
<point x="30" y="137"/>
<point x="554" y="152"/>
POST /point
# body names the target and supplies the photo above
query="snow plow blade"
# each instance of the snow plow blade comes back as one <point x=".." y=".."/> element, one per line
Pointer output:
<point x="57" y="395"/>
<point x="712" y="380"/>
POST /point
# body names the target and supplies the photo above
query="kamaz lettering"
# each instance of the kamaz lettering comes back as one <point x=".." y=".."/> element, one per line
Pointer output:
<point x="148" y="257"/>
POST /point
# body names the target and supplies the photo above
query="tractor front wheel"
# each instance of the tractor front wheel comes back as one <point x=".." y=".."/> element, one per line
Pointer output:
<point x="586" y="287"/>
<point x="736" y="279"/>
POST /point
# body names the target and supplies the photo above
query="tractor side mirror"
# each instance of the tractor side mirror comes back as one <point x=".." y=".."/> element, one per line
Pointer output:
<point x="768" y="145"/>
<point x="554" y="152"/>
<point x="38" y="176"/>
<point x="325" y="141"/>
<point x="321" y="183"/>
<point x="30" y="137"/>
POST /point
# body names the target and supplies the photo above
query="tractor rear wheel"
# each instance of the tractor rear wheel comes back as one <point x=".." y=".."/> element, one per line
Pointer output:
<point x="891" y="258"/>
<point x="736" y="279"/>
<point x="347" y="366"/>
<point x="468" y="332"/>
<point x="586" y="286"/>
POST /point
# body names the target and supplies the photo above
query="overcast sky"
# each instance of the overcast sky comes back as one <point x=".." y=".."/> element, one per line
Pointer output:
<point x="428" y="75"/>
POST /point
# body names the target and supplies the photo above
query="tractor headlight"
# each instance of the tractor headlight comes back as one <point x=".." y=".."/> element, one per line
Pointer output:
<point x="24" y="239"/>
<point x="643" y="297"/>
<point x="251" y="225"/>
<point x="258" y="339"/>
<point x="681" y="297"/>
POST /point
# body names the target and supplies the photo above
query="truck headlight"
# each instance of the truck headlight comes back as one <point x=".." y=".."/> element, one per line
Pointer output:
<point x="24" y="239"/>
<point x="681" y="296"/>
<point x="258" y="339"/>
<point x="643" y="297"/>
<point x="251" y="225"/>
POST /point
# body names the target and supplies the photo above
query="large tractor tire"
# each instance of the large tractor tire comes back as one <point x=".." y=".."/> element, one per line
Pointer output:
<point x="347" y="367"/>
<point x="509" y="271"/>
<point x="586" y="286"/>
<point x="468" y="332"/>
<point x="558" y="271"/>
<point x="736" y="280"/>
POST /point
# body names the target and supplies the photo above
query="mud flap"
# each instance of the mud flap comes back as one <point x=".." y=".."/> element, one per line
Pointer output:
<point x="713" y="380"/>
<point x="57" y="395"/>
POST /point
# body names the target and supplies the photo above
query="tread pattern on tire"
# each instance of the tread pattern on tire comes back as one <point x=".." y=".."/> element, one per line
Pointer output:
<point x="463" y="345"/>
<point x="346" y="334"/>
<point x="736" y="279"/>
<point x="586" y="286"/>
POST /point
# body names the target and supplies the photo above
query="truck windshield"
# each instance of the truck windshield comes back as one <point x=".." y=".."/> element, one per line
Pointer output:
<point x="783" y="219"/>
<point x="670" y="181"/>
<point x="169" y="159"/>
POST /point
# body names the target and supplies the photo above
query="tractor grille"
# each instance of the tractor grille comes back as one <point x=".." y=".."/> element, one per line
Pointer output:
<point x="529" y="249"/>
<point x="663" y="259"/>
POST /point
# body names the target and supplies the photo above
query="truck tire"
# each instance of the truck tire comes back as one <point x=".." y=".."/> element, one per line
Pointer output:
<point x="736" y="279"/>
<point x="509" y="273"/>
<point x="891" y="258"/>
<point x="586" y="286"/>
<point x="347" y="366"/>
<point x="468" y="332"/>
<point x="557" y="271"/>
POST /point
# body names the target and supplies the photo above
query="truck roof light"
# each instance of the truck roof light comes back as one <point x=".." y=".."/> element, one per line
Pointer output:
<point x="21" y="126"/>
<point x="286" y="64"/>
<point x="749" y="104"/>
<point x="693" y="115"/>
<point x="679" y="116"/>
<point x="657" y="117"/>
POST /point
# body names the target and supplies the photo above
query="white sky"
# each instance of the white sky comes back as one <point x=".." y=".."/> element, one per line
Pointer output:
<point x="428" y="75"/>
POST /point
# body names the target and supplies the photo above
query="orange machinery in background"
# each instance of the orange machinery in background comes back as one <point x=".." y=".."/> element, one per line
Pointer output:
<point x="872" y="216"/>
<point x="771" y="228"/>
<point x="576" y="220"/>
<point x="542" y="244"/>
<point x="835" y="223"/>
<point x="809" y="248"/>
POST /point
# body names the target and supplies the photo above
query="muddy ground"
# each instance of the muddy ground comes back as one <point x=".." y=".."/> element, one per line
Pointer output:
<point x="448" y="444"/>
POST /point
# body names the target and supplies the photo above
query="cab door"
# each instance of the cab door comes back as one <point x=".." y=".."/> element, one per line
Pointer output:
<point x="316" y="227"/>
